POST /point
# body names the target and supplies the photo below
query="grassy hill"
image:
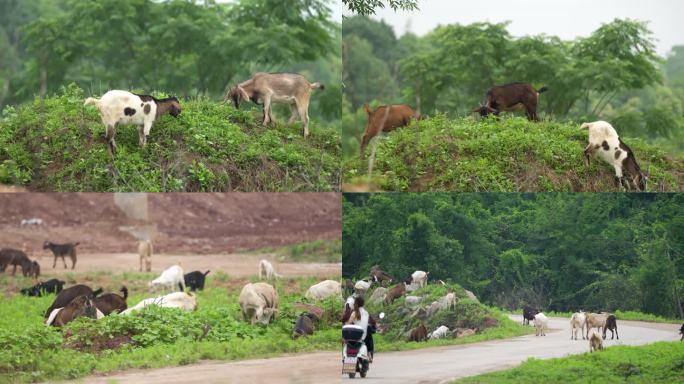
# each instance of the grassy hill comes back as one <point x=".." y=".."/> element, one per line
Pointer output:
<point x="506" y="155"/>
<point x="400" y="319"/>
<point x="58" y="145"/>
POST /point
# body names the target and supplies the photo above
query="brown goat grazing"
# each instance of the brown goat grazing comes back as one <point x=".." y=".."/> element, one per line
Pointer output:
<point x="78" y="307"/>
<point x="385" y="119"/>
<point x="508" y="97"/>
<point x="611" y="324"/>
<point x="61" y="250"/>
<point x="394" y="293"/>
<point x="419" y="333"/>
<point x="15" y="257"/>
<point x="377" y="275"/>
<point x="68" y="294"/>
<point x="110" y="302"/>
<point x="265" y="88"/>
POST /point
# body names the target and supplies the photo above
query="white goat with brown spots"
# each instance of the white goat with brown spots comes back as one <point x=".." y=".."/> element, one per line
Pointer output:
<point x="604" y="141"/>
<point x="125" y="108"/>
<point x="266" y="88"/>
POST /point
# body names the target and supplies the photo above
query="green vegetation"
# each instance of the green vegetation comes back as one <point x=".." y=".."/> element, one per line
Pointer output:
<point x="661" y="362"/>
<point x="490" y="323"/>
<point x="368" y="7"/>
<point x="555" y="251"/>
<point x="155" y="337"/>
<point x="316" y="251"/>
<point x="498" y="155"/>
<point x="439" y="75"/>
<point x="57" y="144"/>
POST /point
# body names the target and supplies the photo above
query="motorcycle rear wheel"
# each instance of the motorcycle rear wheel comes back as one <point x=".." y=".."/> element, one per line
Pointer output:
<point x="352" y="375"/>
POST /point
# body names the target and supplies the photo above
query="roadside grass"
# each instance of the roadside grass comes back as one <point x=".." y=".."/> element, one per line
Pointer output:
<point x="499" y="155"/>
<point x="57" y="145"/>
<point x="153" y="338"/>
<point x="316" y="251"/>
<point x="661" y="362"/>
<point x="620" y="315"/>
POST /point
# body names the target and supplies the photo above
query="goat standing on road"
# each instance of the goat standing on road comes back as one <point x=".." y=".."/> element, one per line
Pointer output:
<point x="61" y="250"/>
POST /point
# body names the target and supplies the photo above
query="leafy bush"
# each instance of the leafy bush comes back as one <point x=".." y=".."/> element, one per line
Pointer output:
<point x="501" y="155"/>
<point x="57" y="144"/>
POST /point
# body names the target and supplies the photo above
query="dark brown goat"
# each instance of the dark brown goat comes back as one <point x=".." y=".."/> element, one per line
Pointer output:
<point x="394" y="293"/>
<point x="681" y="332"/>
<point x="68" y="294"/>
<point x="61" y="250"/>
<point x="15" y="257"/>
<point x="385" y="119"/>
<point x="380" y="276"/>
<point x="611" y="324"/>
<point x="528" y="314"/>
<point x="110" y="302"/>
<point x="511" y="96"/>
<point x="419" y="333"/>
<point x="78" y="307"/>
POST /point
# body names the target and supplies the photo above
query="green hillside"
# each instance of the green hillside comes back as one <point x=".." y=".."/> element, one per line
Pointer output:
<point x="57" y="144"/>
<point x="509" y="154"/>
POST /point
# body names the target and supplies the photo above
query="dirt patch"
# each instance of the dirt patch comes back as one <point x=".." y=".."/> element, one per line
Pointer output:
<point x="207" y="223"/>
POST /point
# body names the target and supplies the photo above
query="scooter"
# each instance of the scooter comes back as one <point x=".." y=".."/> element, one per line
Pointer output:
<point x="355" y="353"/>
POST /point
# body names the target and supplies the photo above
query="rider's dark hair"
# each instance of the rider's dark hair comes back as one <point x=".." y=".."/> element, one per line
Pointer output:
<point x="358" y="303"/>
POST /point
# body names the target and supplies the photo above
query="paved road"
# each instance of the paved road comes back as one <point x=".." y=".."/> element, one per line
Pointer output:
<point x="430" y="365"/>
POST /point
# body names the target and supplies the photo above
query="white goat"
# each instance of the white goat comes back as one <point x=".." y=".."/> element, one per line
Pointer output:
<point x="183" y="300"/>
<point x="604" y="141"/>
<point x="439" y="333"/>
<point x="420" y="277"/>
<point x="323" y="290"/>
<point x="124" y="108"/>
<point x="266" y="270"/>
<point x="541" y="324"/>
<point x="265" y="88"/>
<point x="171" y="278"/>
<point x="577" y="323"/>
<point x="361" y="287"/>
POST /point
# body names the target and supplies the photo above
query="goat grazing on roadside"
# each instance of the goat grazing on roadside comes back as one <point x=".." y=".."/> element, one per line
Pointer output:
<point x="508" y="97"/>
<point x="528" y="314"/>
<point x="125" y="108"/>
<point x="50" y="286"/>
<point x="61" y="250"/>
<point x="386" y="118"/>
<point x="604" y="141"/>
<point x="195" y="280"/>
<point x="15" y="257"/>
<point x="111" y="302"/>
<point x="577" y="323"/>
<point x="541" y="324"/>
<point x="171" y="278"/>
<point x="266" y="88"/>
<point x="595" y="342"/>
<point x="68" y="294"/>
<point x="145" y="252"/>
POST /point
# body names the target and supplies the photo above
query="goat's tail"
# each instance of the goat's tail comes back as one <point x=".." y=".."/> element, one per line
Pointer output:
<point x="543" y="89"/>
<point x="92" y="101"/>
<point x="76" y="243"/>
<point x="97" y="292"/>
<point x="317" y="85"/>
<point x="585" y="126"/>
<point x="206" y="273"/>
<point x="124" y="290"/>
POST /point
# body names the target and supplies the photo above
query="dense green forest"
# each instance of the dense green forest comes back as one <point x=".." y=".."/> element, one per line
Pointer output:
<point x="556" y="251"/>
<point x="181" y="47"/>
<point x="613" y="74"/>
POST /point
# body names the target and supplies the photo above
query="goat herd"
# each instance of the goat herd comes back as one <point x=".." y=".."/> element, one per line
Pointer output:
<point x="578" y="322"/>
<point x="258" y="301"/>
<point x="125" y="108"/>
<point x="604" y="141"/>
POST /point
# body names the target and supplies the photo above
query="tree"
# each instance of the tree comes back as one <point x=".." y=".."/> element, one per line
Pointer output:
<point x="368" y="7"/>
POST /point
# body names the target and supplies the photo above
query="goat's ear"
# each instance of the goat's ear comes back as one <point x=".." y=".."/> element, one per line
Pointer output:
<point x="365" y="108"/>
<point x="477" y="109"/>
<point x="243" y="93"/>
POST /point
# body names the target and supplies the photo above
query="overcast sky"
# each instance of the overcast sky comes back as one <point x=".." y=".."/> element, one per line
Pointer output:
<point x="566" y="19"/>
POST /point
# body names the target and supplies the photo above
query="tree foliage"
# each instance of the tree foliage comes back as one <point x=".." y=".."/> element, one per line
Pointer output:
<point x="368" y="7"/>
<point x="556" y="251"/>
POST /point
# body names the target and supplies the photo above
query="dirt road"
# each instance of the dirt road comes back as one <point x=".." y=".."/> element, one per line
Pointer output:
<point x="234" y="264"/>
<point x="430" y="365"/>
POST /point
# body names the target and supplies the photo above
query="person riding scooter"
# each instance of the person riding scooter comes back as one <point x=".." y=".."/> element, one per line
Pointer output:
<point x="370" y="329"/>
